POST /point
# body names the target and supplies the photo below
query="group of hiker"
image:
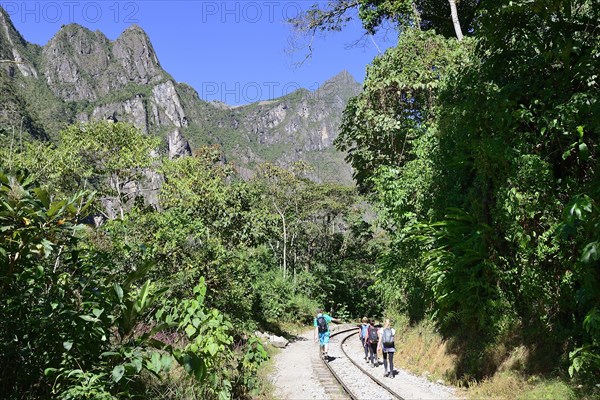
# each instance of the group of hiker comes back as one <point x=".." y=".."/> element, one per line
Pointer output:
<point x="372" y="338"/>
<point x="375" y="339"/>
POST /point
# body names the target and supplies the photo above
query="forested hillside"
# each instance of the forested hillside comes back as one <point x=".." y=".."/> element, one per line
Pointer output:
<point x="475" y="140"/>
<point x="154" y="294"/>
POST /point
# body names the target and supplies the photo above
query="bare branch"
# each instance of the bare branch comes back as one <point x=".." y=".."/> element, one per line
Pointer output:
<point x="318" y="20"/>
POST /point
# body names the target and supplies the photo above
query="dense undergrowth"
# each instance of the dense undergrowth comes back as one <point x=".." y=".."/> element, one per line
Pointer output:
<point x="161" y="301"/>
<point x="481" y="153"/>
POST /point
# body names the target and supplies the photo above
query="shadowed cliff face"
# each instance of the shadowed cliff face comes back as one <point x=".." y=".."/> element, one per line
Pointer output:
<point x="14" y="48"/>
<point x="80" y="75"/>
<point x="16" y="120"/>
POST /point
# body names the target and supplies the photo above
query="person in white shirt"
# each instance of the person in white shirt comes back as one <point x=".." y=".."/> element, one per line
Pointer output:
<point x="386" y="344"/>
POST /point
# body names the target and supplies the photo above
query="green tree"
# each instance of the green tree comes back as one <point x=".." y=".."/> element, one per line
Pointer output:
<point x="440" y="15"/>
<point x="38" y="237"/>
<point x="91" y="327"/>
<point x="109" y="158"/>
<point x="286" y="196"/>
<point x="398" y="104"/>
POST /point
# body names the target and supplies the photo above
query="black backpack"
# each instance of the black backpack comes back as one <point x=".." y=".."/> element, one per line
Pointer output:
<point x="373" y="337"/>
<point x="387" y="338"/>
<point x="322" y="324"/>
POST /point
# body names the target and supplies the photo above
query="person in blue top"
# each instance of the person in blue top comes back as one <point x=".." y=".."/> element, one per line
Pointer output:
<point x="362" y="333"/>
<point x="321" y="324"/>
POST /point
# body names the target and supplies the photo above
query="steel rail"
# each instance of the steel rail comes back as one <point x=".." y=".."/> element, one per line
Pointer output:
<point x="335" y="375"/>
<point x="373" y="378"/>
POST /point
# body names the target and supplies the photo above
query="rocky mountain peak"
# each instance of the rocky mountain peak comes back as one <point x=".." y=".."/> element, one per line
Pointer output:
<point x="342" y="78"/>
<point x="8" y="31"/>
<point x="136" y="30"/>
<point x="77" y="42"/>
<point x="73" y="29"/>
<point x="134" y="51"/>
<point x="75" y="59"/>
<point x="85" y="65"/>
<point x="343" y="85"/>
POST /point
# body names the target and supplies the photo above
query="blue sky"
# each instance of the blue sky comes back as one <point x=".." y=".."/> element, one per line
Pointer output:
<point x="235" y="51"/>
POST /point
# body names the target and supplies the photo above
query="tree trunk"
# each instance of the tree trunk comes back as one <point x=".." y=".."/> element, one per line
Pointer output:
<point x="284" y="246"/>
<point x="283" y="222"/>
<point x="117" y="185"/>
<point x="417" y="16"/>
<point x="455" y="21"/>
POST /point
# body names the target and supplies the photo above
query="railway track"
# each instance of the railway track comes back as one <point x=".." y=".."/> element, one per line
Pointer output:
<point x="344" y="369"/>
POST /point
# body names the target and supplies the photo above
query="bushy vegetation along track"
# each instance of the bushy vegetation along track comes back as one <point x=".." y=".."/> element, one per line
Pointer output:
<point x="343" y="368"/>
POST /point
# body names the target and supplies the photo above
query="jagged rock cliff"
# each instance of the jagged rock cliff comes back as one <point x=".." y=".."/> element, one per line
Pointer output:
<point x="299" y="126"/>
<point x="15" y="60"/>
<point x="80" y="64"/>
<point x="121" y="79"/>
<point x="81" y="75"/>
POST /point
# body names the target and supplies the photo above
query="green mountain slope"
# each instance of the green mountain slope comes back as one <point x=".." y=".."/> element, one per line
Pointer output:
<point x="80" y="75"/>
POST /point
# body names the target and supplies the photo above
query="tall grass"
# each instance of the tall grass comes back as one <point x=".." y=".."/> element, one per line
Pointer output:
<point x="423" y="351"/>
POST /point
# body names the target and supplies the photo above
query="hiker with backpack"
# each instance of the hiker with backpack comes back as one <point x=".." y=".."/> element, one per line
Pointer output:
<point x="371" y="340"/>
<point x="362" y="333"/>
<point x="386" y="344"/>
<point x="321" y="324"/>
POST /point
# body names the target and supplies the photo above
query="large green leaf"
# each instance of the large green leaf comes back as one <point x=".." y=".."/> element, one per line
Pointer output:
<point x="117" y="373"/>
